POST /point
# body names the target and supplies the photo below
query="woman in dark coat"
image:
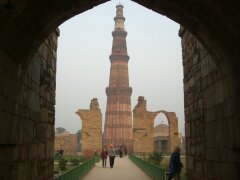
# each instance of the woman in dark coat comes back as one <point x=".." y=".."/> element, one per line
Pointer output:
<point x="104" y="154"/>
<point x="175" y="165"/>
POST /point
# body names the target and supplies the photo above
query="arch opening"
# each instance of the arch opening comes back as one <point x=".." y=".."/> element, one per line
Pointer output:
<point x="161" y="134"/>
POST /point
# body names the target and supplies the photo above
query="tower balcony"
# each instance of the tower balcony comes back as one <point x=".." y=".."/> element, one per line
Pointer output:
<point x="119" y="33"/>
<point x="114" y="57"/>
<point x="118" y="90"/>
<point x="119" y="18"/>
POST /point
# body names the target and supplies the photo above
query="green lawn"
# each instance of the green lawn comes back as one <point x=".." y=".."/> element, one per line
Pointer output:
<point x="68" y="165"/>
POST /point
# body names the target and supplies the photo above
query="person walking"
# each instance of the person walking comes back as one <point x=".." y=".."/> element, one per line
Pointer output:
<point x="104" y="155"/>
<point x="175" y="165"/>
<point x="120" y="151"/>
<point x="112" y="155"/>
<point x="125" y="150"/>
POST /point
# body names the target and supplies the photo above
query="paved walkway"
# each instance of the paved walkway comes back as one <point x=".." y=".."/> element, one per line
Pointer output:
<point x="123" y="169"/>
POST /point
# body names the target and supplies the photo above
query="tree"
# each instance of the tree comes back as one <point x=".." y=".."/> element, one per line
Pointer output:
<point x="60" y="130"/>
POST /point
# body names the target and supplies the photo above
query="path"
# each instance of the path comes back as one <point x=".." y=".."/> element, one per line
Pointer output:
<point x="124" y="169"/>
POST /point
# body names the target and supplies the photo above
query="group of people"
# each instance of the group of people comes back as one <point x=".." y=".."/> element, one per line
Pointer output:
<point x="175" y="164"/>
<point x="59" y="152"/>
<point x="112" y="152"/>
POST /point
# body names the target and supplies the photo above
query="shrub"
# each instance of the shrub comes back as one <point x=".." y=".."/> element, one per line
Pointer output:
<point x="83" y="159"/>
<point x="57" y="157"/>
<point x="156" y="158"/>
<point x="62" y="164"/>
<point x="74" y="161"/>
<point x="96" y="157"/>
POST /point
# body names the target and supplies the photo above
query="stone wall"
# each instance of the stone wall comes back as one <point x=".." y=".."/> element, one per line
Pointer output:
<point x="91" y="129"/>
<point x="142" y="128"/>
<point x="27" y="114"/>
<point x="211" y="114"/>
<point x="66" y="142"/>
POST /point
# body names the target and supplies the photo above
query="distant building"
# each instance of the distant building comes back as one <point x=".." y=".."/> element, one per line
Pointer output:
<point x="161" y="138"/>
<point x="67" y="142"/>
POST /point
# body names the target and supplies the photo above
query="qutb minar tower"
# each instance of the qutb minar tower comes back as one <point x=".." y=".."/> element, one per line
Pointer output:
<point x="118" y="118"/>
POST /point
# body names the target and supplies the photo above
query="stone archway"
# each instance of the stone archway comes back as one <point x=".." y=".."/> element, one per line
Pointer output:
<point x="174" y="139"/>
<point x="143" y="133"/>
<point x="28" y="43"/>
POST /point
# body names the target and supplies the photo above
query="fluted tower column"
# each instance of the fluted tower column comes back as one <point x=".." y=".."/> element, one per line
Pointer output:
<point x="118" y="118"/>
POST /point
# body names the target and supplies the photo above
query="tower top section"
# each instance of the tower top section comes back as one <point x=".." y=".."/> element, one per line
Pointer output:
<point x="119" y="18"/>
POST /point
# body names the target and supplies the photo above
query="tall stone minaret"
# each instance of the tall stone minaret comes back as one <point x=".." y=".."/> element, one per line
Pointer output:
<point x="118" y="118"/>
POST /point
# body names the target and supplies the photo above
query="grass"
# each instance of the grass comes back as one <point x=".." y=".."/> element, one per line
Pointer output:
<point x="68" y="165"/>
<point x="165" y="163"/>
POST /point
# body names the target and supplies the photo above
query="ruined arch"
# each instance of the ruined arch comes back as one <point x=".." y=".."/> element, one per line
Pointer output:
<point x="25" y="33"/>
<point x="143" y="128"/>
<point x="172" y="119"/>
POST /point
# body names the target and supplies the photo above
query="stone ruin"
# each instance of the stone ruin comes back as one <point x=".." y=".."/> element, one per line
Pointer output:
<point x="143" y="130"/>
<point x="91" y="129"/>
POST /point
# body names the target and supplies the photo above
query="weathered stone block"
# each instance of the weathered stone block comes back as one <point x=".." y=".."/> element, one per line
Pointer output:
<point x="229" y="133"/>
<point x="44" y="114"/>
<point x="26" y="131"/>
<point x="33" y="101"/>
<point x="190" y="162"/>
<point x="211" y="154"/>
<point x="9" y="154"/>
<point x="49" y="149"/>
<point x="44" y="51"/>
<point x="233" y="155"/>
<point x="9" y="130"/>
<point x="230" y="171"/>
<point x="214" y="95"/>
<point x="35" y="116"/>
<point x="3" y="102"/>
<point x="210" y="133"/>
<point x="206" y="65"/>
<point x="237" y="135"/>
<point x="229" y="107"/>
<point x="41" y="151"/>
<point x="24" y="112"/>
<point x="24" y="170"/>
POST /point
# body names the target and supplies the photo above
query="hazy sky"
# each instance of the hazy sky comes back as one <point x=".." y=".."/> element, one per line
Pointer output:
<point x="83" y="65"/>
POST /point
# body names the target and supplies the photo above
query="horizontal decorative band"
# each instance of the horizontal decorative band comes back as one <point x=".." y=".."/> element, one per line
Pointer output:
<point x="120" y="100"/>
<point x="118" y="90"/>
<point x="128" y="113"/>
<point x="123" y="57"/>
<point x="119" y="18"/>
<point x="119" y="33"/>
<point x="125" y="126"/>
